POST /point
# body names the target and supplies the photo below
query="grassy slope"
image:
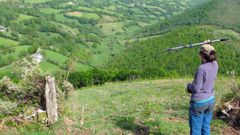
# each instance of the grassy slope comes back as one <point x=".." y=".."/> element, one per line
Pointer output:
<point x="47" y="67"/>
<point x="226" y="12"/>
<point x="118" y="108"/>
<point x="23" y="17"/>
<point x="111" y="28"/>
<point x="59" y="58"/>
<point x="18" y="50"/>
<point x="5" y="71"/>
<point x="5" y="41"/>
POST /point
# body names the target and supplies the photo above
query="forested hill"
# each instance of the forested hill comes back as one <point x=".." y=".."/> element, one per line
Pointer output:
<point x="215" y="19"/>
<point x="224" y="13"/>
<point x="148" y="56"/>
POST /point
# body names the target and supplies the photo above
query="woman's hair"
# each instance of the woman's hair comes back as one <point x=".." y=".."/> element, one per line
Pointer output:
<point x="209" y="58"/>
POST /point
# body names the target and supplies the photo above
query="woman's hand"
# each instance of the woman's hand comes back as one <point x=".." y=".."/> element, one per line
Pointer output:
<point x="188" y="91"/>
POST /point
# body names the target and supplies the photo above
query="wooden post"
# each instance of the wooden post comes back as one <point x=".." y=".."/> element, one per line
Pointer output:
<point x="51" y="100"/>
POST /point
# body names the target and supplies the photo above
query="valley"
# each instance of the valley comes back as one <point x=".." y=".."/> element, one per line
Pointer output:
<point x="92" y="32"/>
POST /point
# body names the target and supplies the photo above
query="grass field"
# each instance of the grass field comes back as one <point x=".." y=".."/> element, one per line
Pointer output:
<point x="9" y="0"/>
<point x="66" y="28"/>
<point x="84" y="14"/>
<point x="119" y="108"/>
<point x="59" y="58"/>
<point x="5" y="41"/>
<point x="142" y="24"/>
<point x="86" y="9"/>
<point x="50" y="10"/>
<point x="23" y="17"/>
<point x="82" y="67"/>
<point x="47" y="67"/>
<point x="48" y="35"/>
<point x="107" y="19"/>
<point x="111" y="8"/>
<point x="36" y="1"/>
<point x="18" y="50"/>
<point x="156" y="7"/>
<point x="128" y="108"/>
<point x="61" y="18"/>
<point x="111" y="28"/>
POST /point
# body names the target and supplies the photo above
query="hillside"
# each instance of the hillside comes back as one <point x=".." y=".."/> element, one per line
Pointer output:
<point x="214" y="19"/>
<point x="223" y="13"/>
<point x="150" y="57"/>
<point x="88" y="32"/>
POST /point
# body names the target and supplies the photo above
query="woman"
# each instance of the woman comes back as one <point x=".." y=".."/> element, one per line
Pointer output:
<point x="202" y="90"/>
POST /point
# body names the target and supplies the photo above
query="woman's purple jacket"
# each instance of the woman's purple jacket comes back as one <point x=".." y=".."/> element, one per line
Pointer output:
<point x="203" y="85"/>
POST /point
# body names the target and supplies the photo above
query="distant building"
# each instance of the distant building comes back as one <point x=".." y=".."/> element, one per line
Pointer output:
<point x="2" y="29"/>
<point x="37" y="57"/>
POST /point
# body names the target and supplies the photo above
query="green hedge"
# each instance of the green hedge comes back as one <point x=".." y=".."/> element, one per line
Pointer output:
<point x="100" y="76"/>
<point x="81" y="79"/>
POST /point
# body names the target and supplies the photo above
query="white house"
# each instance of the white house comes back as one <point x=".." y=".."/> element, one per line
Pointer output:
<point x="2" y="29"/>
<point x="37" y="57"/>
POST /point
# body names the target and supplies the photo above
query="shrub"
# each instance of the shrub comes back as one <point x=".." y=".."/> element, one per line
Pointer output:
<point x="7" y="107"/>
<point x="153" y="73"/>
<point x="81" y="79"/>
<point x="9" y="88"/>
<point x="32" y="49"/>
<point x="67" y="87"/>
<point x="22" y="54"/>
<point x="32" y="84"/>
<point x="126" y="74"/>
<point x="99" y="76"/>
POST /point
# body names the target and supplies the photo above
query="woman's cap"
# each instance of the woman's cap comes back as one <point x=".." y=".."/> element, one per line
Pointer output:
<point x="207" y="49"/>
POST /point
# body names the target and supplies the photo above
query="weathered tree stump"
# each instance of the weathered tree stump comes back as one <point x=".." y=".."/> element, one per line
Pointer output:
<point x="51" y="100"/>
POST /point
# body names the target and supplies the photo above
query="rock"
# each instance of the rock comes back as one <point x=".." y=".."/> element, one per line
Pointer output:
<point x="41" y="116"/>
<point x="30" y="114"/>
<point x="38" y="115"/>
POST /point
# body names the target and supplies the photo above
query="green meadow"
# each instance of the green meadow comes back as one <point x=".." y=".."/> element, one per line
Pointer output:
<point x="36" y="1"/>
<point x="8" y="42"/>
<point x="157" y="106"/>
<point x="84" y="14"/>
